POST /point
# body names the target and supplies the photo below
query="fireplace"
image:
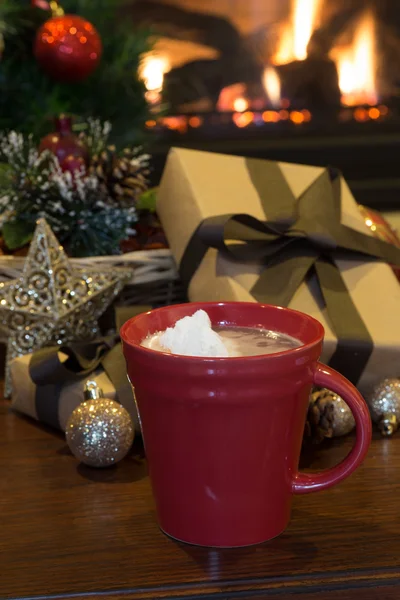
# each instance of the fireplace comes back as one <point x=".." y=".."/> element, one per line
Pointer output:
<point x="309" y="81"/>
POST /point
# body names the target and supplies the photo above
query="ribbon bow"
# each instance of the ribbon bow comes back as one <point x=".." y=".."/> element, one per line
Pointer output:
<point x="301" y="236"/>
<point x="50" y="373"/>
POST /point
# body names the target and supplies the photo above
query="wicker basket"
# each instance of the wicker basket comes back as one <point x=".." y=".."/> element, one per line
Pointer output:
<point x="155" y="280"/>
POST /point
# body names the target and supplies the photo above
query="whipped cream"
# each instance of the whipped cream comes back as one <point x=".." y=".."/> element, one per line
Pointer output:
<point x="190" y="336"/>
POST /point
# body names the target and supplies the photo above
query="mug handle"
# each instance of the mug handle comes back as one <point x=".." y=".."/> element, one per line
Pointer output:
<point x="324" y="376"/>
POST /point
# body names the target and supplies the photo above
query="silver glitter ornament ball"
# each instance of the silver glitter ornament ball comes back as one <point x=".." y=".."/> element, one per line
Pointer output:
<point x="343" y="420"/>
<point x="99" y="432"/>
<point x="384" y="405"/>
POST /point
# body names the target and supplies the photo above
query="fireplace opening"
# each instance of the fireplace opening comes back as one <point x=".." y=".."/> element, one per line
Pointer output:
<point x="307" y="81"/>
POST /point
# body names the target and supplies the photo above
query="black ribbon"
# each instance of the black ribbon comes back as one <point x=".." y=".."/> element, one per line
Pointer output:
<point x="300" y="237"/>
<point x="50" y="373"/>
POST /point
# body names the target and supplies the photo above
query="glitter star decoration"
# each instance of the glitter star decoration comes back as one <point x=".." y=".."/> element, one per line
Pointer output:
<point x="53" y="302"/>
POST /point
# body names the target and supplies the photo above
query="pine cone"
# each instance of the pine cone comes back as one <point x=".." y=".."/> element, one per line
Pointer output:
<point x="123" y="177"/>
<point x="320" y="416"/>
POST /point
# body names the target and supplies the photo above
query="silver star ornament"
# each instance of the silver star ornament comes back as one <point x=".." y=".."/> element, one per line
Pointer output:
<point x="53" y="302"/>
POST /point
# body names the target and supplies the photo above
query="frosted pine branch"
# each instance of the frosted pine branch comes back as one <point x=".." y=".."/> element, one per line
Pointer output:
<point x="82" y="208"/>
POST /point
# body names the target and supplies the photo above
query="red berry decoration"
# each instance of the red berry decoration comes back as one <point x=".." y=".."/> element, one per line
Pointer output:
<point x="68" y="48"/>
<point x="63" y="143"/>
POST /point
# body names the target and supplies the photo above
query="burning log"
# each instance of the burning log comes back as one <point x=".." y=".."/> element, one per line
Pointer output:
<point x="311" y="83"/>
<point x="344" y="18"/>
<point x="203" y="79"/>
<point x="323" y="39"/>
<point x="179" y="23"/>
<point x="192" y="82"/>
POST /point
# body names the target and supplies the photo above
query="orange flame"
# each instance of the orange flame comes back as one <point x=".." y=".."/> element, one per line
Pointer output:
<point x="272" y="86"/>
<point x="297" y="33"/>
<point x="240" y="104"/>
<point x="356" y="65"/>
<point x="229" y="95"/>
<point x="152" y="70"/>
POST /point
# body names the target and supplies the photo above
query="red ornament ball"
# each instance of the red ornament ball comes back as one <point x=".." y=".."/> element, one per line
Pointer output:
<point x="63" y="143"/>
<point x="73" y="164"/>
<point x="68" y="48"/>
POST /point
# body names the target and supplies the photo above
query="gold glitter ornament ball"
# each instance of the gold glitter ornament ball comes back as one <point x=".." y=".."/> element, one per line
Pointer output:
<point x="332" y="412"/>
<point x="99" y="432"/>
<point x="384" y="405"/>
<point x="343" y="420"/>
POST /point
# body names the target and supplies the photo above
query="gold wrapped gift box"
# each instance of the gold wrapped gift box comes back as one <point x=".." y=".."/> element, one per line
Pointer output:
<point x="27" y="400"/>
<point x="198" y="185"/>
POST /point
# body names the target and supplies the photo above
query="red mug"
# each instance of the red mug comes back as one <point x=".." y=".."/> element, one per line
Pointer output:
<point x="223" y="435"/>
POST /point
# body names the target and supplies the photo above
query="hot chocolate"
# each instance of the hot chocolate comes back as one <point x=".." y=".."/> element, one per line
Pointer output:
<point x="249" y="341"/>
<point x="238" y="341"/>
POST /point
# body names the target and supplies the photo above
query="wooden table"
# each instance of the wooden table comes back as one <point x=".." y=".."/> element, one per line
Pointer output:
<point x="70" y="531"/>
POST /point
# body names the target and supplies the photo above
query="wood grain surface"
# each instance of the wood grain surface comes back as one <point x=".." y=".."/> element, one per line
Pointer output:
<point x="70" y="531"/>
